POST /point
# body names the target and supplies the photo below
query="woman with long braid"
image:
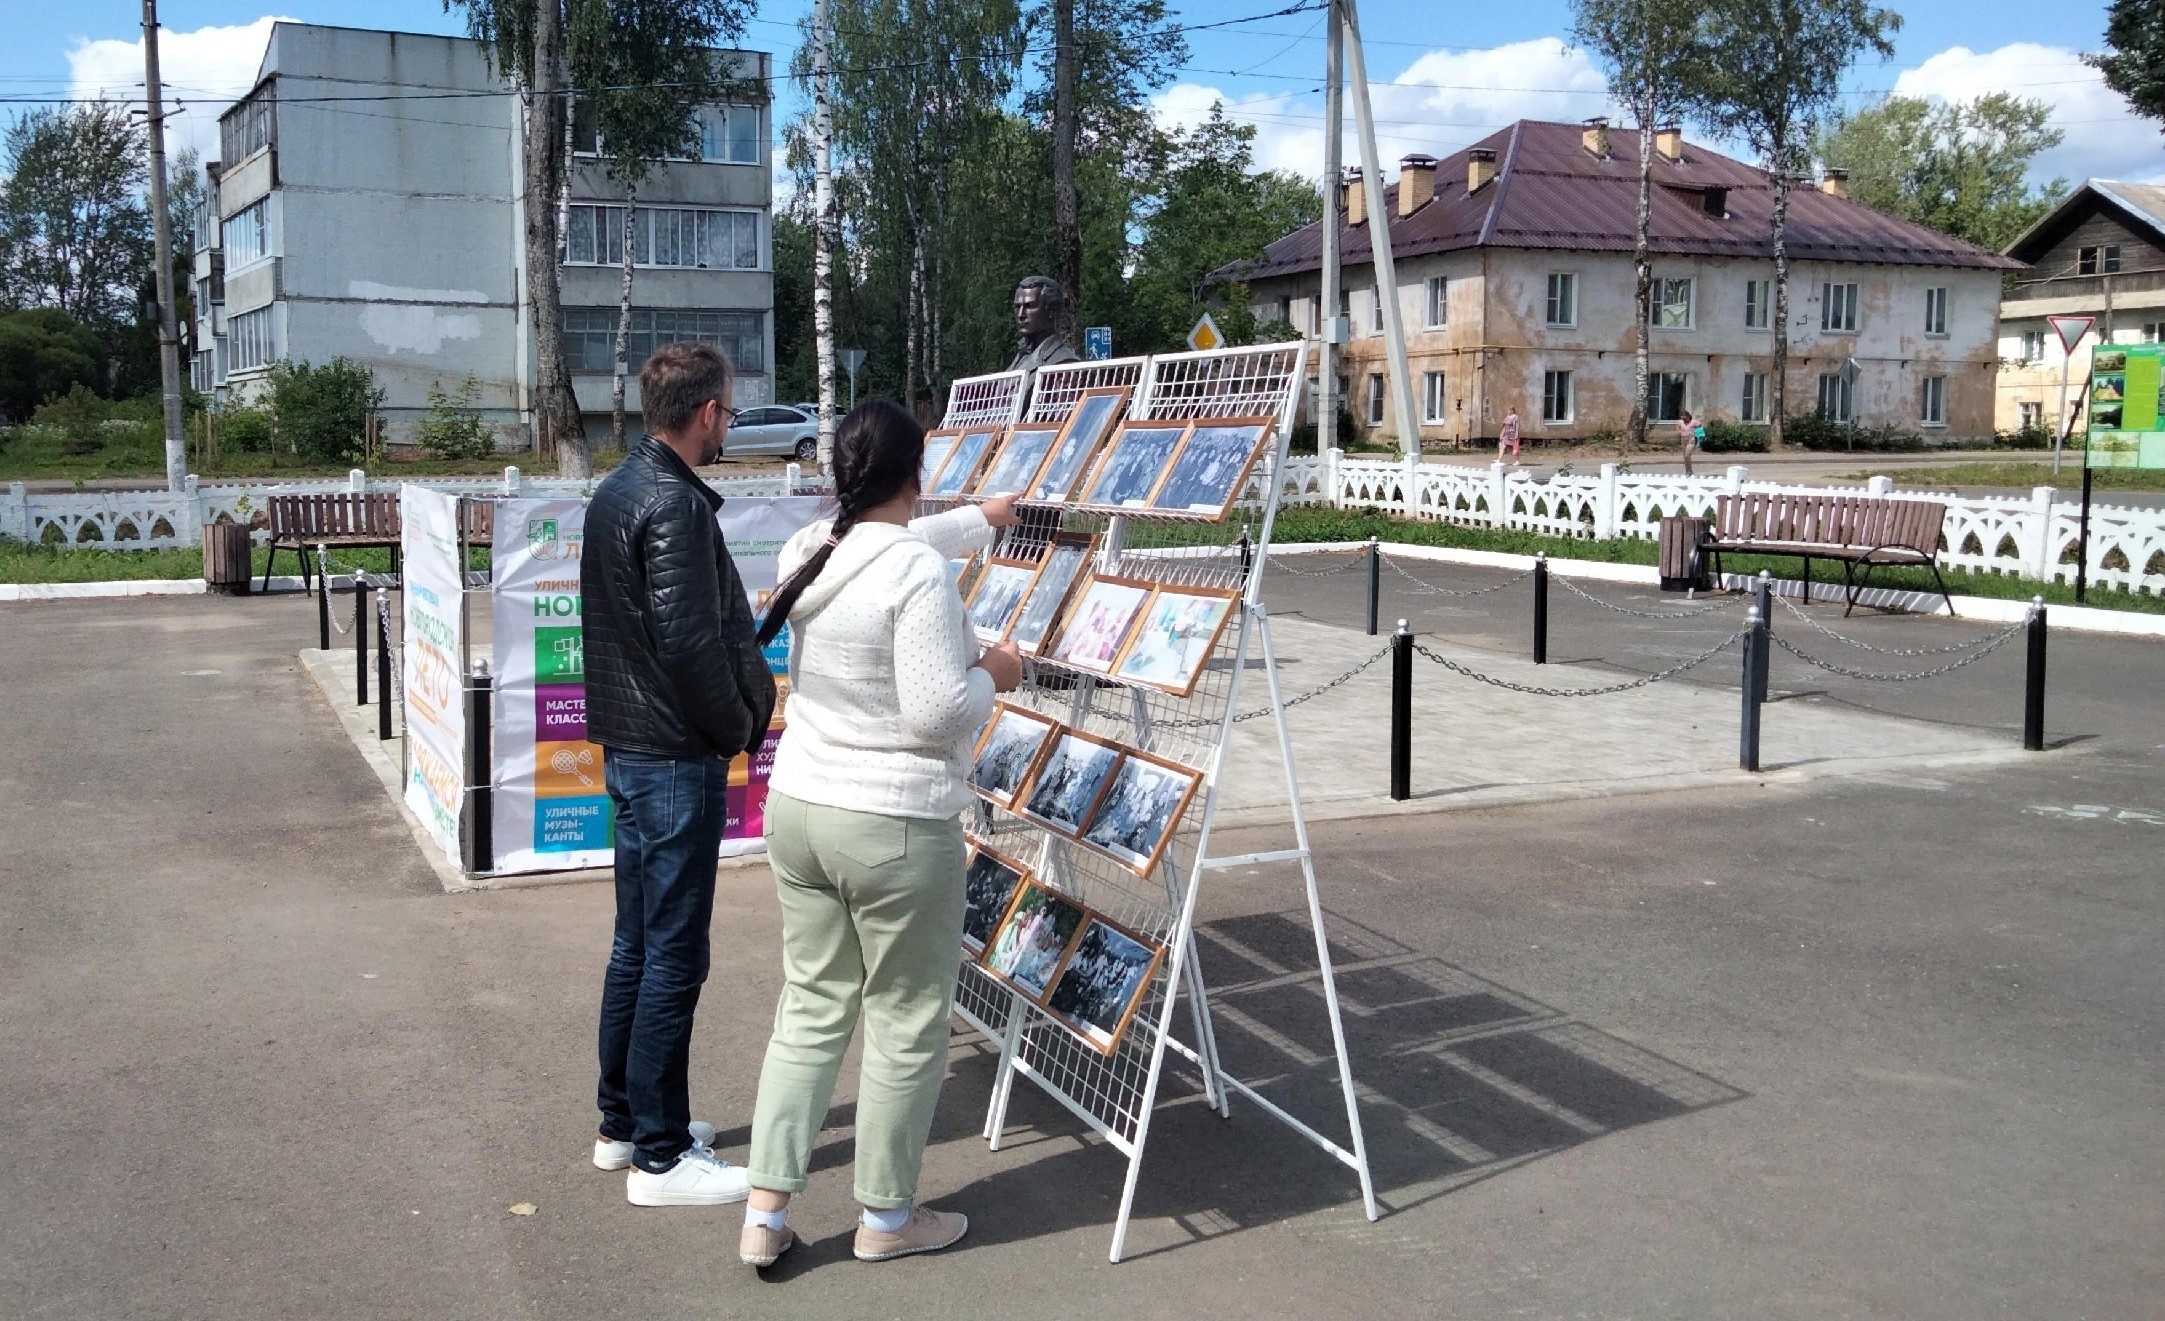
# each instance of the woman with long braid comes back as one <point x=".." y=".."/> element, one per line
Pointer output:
<point x="887" y="690"/>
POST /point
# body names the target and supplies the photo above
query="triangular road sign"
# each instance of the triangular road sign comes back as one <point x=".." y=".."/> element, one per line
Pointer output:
<point x="2070" y="329"/>
<point x="1205" y="336"/>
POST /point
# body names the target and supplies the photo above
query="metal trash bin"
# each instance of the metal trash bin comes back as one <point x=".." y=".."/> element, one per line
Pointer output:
<point x="1683" y="564"/>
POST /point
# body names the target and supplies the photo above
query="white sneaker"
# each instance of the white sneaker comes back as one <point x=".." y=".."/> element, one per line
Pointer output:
<point x="617" y="1155"/>
<point x="700" y="1178"/>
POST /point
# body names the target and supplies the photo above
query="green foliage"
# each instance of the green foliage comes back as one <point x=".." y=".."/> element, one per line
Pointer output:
<point x="1959" y="167"/>
<point x="2133" y="60"/>
<point x="1726" y="437"/>
<point x="74" y="231"/>
<point x="322" y="411"/>
<point x="245" y="431"/>
<point x="2031" y="436"/>
<point x="1651" y="51"/>
<point x="454" y="428"/>
<point x="1775" y="67"/>
<point x="1815" y="431"/>
<point x="44" y="352"/>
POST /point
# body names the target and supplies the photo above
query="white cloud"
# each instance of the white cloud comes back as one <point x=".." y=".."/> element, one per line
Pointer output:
<point x="2105" y="139"/>
<point x="206" y="70"/>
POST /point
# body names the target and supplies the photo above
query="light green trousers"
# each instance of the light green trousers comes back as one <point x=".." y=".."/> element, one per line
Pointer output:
<point x="871" y="928"/>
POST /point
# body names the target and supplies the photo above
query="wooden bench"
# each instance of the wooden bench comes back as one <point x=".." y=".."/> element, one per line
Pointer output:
<point x="1863" y="533"/>
<point x="353" y="519"/>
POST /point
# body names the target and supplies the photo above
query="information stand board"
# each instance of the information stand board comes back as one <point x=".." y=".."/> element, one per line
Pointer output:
<point x="431" y="668"/>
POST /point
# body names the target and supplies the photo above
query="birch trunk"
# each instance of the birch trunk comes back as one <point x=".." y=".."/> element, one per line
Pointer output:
<point x="623" y="327"/>
<point x="823" y="243"/>
<point x="555" y="405"/>
<point x="1777" y="404"/>
<point x="1643" y="270"/>
<point x="1067" y="228"/>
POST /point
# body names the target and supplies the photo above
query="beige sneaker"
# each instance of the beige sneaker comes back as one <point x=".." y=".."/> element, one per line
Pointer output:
<point x="761" y="1246"/>
<point x="926" y="1230"/>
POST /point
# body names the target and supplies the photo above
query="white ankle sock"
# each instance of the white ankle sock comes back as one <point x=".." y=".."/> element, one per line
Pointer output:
<point x="887" y="1221"/>
<point x="766" y="1219"/>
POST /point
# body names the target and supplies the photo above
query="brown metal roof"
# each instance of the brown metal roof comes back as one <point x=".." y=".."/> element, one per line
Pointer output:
<point x="1551" y="193"/>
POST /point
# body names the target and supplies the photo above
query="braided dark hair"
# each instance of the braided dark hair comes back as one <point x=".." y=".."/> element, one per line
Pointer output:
<point x="877" y="450"/>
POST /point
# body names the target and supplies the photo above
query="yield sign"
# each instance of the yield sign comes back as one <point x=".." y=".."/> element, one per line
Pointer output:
<point x="2070" y="329"/>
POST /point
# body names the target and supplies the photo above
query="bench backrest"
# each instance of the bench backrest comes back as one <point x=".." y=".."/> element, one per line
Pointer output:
<point x="1858" y="522"/>
<point x="343" y="514"/>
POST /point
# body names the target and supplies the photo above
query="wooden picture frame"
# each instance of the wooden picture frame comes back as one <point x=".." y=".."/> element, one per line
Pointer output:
<point x="997" y="596"/>
<point x="1084" y="1008"/>
<point x="1071" y="774"/>
<point x="1002" y="779"/>
<point x="964" y="573"/>
<point x="1021" y="456"/>
<point x="1064" y="567"/>
<point x="1196" y="482"/>
<point x="1092" y="638"/>
<point x="973" y="446"/>
<point x="1134" y="465"/>
<point x="1174" y="637"/>
<point x="1136" y="815"/>
<point x="1096" y="414"/>
<point x="1030" y="943"/>
<point x="939" y="443"/>
<point x="987" y="895"/>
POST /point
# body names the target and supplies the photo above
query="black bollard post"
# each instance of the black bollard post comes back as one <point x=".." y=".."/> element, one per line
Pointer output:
<point x="480" y="775"/>
<point x="1402" y="713"/>
<point x="1247" y="553"/>
<point x="1765" y="591"/>
<point x="2082" y="537"/>
<point x="360" y="640"/>
<point x="323" y="611"/>
<point x="1755" y="645"/>
<point x="1375" y="582"/>
<point x="383" y="669"/>
<point x="2033" y="681"/>
<point x="1541" y="609"/>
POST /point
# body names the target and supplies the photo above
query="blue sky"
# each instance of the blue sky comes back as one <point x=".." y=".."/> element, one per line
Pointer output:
<point x="1444" y="76"/>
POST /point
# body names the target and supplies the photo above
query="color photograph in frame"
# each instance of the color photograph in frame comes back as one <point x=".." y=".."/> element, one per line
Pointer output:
<point x="1027" y="947"/>
<point x="1070" y="779"/>
<point x="1140" y="809"/>
<point x="938" y="443"/>
<point x="1134" y="465"/>
<point x="1178" y="632"/>
<point x="1212" y="465"/>
<point x="972" y="447"/>
<point x="989" y="881"/>
<point x="1088" y="423"/>
<point x="1101" y="984"/>
<point x="1013" y="471"/>
<point x="1098" y="624"/>
<point x="1007" y="751"/>
<point x="1066" y="560"/>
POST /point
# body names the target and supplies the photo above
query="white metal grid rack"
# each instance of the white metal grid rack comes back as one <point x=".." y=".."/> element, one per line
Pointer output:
<point x="1116" y="1095"/>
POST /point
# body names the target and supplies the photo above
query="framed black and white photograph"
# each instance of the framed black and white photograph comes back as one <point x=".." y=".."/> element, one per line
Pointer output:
<point x="973" y="445"/>
<point x="1014" y="469"/>
<point x="1007" y="750"/>
<point x="1088" y="424"/>
<point x="997" y="597"/>
<point x="989" y="881"/>
<point x="1175" y="638"/>
<point x="1065" y="560"/>
<point x="1101" y="985"/>
<point x="1070" y="779"/>
<point x="1212" y="465"/>
<point x="1032" y="938"/>
<point x="938" y="443"/>
<point x="1136" y="815"/>
<point x="1133" y="465"/>
<point x="1098" y="625"/>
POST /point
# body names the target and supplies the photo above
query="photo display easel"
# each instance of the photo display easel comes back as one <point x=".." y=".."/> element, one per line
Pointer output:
<point x="1081" y="941"/>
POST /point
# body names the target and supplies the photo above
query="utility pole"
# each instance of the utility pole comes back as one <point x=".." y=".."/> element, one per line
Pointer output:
<point x="1330" y="328"/>
<point x="1066" y="222"/>
<point x="823" y="224"/>
<point x="1379" y="235"/>
<point x="176" y="447"/>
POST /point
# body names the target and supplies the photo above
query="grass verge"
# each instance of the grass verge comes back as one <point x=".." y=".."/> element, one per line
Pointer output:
<point x="2022" y="476"/>
<point x="21" y="563"/>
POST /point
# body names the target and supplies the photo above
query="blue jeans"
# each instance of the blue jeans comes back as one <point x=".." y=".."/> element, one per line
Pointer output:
<point x="668" y="834"/>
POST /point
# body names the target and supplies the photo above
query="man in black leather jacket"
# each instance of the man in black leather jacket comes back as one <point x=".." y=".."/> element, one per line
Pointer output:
<point x="675" y="688"/>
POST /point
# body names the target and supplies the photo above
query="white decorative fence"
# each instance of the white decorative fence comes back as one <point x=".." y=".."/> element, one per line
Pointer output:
<point x="153" y="520"/>
<point x="2032" y="537"/>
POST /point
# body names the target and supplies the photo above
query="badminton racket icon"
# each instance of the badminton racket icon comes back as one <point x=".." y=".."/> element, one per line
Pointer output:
<point x="567" y="762"/>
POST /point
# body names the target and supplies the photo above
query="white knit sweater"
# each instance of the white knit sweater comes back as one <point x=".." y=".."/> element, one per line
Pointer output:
<point x="885" y="698"/>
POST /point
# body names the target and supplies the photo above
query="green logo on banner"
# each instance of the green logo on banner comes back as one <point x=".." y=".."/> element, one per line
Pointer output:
<point x="541" y="538"/>
<point x="559" y="656"/>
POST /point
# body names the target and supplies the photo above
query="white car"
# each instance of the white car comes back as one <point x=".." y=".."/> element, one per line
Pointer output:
<point x="774" y="429"/>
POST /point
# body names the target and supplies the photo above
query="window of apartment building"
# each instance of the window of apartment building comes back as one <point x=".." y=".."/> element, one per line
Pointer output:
<point x="1439" y="304"/>
<point x="1665" y="396"/>
<point x="590" y="336"/>
<point x="1935" y="310"/>
<point x="2030" y="415"/>
<point x="1838" y="308"/>
<point x="1375" y="312"/>
<point x="2101" y="260"/>
<point x="1556" y="400"/>
<point x="1758" y="304"/>
<point x="248" y="233"/>
<point x="199" y="372"/>
<point x="1375" y="399"/>
<point x="251" y="124"/>
<point x="2033" y="346"/>
<point x="1434" y="397"/>
<point x="697" y="238"/>
<point x="1752" y="407"/>
<point x="2153" y="332"/>
<point x="729" y="134"/>
<point x="1934" y="411"/>
<point x="1669" y="307"/>
<point x="249" y="340"/>
<point x="1834" y="397"/>
<point x="1563" y="301"/>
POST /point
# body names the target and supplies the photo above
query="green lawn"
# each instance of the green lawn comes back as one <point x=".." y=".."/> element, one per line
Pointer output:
<point x="2024" y="476"/>
<point x="37" y="453"/>
<point x="20" y="563"/>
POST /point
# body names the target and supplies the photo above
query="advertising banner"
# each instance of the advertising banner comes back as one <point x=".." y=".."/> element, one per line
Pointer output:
<point x="552" y="807"/>
<point x="2126" y="428"/>
<point x="435" y="714"/>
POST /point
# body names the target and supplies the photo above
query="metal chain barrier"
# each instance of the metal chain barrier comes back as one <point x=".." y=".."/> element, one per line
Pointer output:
<point x="1818" y="627"/>
<point x="398" y="657"/>
<point x="1584" y="595"/>
<point x="1427" y="588"/>
<point x="1990" y="646"/>
<point x="1674" y="670"/>
<point x="1290" y="702"/>
<point x="1282" y="567"/>
<point x="323" y="576"/>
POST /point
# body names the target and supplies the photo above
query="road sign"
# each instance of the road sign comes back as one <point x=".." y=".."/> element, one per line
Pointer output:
<point x="1851" y="371"/>
<point x="1205" y="336"/>
<point x="852" y="359"/>
<point x="1097" y="342"/>
<point x="2070" y="329"/>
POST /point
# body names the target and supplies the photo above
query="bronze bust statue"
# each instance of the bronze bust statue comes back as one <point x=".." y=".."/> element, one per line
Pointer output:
<point x="1038" y="302"/>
